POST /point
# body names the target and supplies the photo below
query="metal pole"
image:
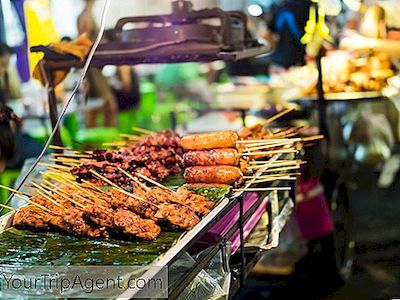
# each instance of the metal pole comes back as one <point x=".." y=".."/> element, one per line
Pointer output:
<point x="49" y="83"/>
<point x="241" y="225"/>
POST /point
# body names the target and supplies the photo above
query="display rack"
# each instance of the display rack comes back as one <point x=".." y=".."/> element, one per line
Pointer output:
<point x="184" y="50"/>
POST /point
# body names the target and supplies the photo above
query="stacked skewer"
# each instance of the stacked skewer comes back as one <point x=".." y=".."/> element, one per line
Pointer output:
<point x="72" y="197"/>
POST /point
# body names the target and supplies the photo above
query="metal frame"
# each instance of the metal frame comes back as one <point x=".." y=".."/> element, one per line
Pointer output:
<point x="47" y="68"/>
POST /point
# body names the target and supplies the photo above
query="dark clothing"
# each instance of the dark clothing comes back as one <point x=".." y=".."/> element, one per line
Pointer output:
<point x="289" y="22"/>
<point x="25" y="147"/>
<point x="129" y="99"/>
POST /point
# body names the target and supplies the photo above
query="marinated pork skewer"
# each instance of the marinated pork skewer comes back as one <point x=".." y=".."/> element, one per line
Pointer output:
<point x="157" y="209"/>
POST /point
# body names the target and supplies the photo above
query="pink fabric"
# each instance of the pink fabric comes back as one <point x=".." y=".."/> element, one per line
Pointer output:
<point x="232" y="217"/>
<point x="313" y="213"/>
<point x="248" y="227"/>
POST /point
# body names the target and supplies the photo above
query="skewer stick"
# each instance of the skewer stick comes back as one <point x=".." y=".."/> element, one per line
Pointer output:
<point x="273" y="170"/>
<point x="141" y="184"/>
<point x="269" y="166"/>
<point x="266" y="166"/>
<point x="8" y="207"/>
<point x="145" y="131"/>
<point x="56" y="177"/>
<point x="65" y="160"/>
<point x="14" y="190"/>
<point x="93" y="186"/>
<point x="72" y="155"/>
<point x="43" y="192"/>
<point x="33" y="203"/>
<point x="274" y="179"/>
<point x="119" y="188"/>
<point x="285" y="174"/>
<point x="281" y="169"/>
<point x="103" y="194"/>
<point x="85" y="200"/>
<point x="130" y="137"/>
<point x="57" y="190"/>
<point x="277" y="116"/>
<point x="269" y="140"/>
<point x="54" y="166"/>
<point x="275" y="162"/>
<point x="263" y="189"/>
<point x="155" y="183"/>
<point x="312" y="138"/>
<point x="267" y="146"/>
<point x="272" y="152"/>
<point x="67" y="149"/>
<point x="116" y="144"/>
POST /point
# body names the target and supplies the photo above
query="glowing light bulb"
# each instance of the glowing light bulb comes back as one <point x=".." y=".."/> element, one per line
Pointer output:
<point x="255" y="10"/>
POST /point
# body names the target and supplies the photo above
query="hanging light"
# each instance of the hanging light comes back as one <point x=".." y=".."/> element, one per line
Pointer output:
<point x="255" y="10"/>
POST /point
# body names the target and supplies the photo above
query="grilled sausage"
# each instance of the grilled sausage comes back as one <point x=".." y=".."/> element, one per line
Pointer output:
<point x="213" y="174"/>
<point x="212" y="140"/>
<point x="215" y="157"/>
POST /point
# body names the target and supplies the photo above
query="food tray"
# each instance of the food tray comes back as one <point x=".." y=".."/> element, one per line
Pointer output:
<point x="242" y="97"/>
<point x="351" y="96"/>
<point x="162" y="252"/>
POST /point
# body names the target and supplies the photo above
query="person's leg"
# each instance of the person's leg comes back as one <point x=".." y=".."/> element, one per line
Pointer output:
<point x="91" y="117"/>
<point x="111" y="113"/>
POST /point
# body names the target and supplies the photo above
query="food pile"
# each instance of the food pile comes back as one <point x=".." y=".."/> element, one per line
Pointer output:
<point x="155" y="156"/>
<point x="118" y="193"/>
<point x="347" y="73"/>
<point x="86" y="210"/>
<point x="211" y="158"/>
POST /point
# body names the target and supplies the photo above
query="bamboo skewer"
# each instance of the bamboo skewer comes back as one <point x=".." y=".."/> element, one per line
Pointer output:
<point x="281" y="169"/>
<point x="57" y="190"/>
<point x="43" y="192"/>
<point x="273" y="170"/>
<point x="64" y="181"/>
<point x="141" y="184"/>
<point x="262" y="141"/>
<point x="290" y="150"/>
<point x="116" y="144"/>
<point x="72" y="155"/>
<point x="67" y="149"/>
<point x="8" y="207"/>
<point x="130" y="137"/>
<point x="141" y="130"/>
<point x="83" y="190"/>
<point x="65" y="160"/>
<point x="269" y="162"/>
<point x="274" y="179"/>
<point x="14" y="190"/>
<point x="156" y="183"/>
<point x="262" y="189"/>
<point x="277" y="116"/>
<point x="119" y="188"/>
<point x="53" y="166"/>
<point x="312" y="138"/>
<point x="33" y="203"/>
<point x="277" y="163"/>
<point x="63" y="174"/>
<point x="268" y="146"/>
<point x="93" y="186"/>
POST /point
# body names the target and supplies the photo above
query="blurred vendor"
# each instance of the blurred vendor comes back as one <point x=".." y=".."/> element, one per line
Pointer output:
<point x="7" y="141"/>
<point x="15" y="146"/>
<point x="9" y="81"/>
<point x="98" y="85"/>
<point x="288" y="22"/>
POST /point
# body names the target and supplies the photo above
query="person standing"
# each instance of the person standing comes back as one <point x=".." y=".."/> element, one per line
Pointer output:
<point x="97" y="82"/>
<point x="9" y="80"/>
<point x="288" y="22"/>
